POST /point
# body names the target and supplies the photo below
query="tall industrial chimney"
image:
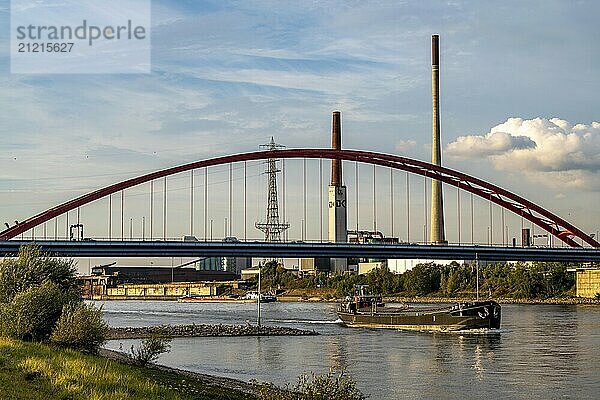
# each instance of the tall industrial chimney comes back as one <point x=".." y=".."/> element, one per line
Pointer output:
<point x="336" y="144"/>
<point x="437" y="235"/>
<point x="338" y="226"/>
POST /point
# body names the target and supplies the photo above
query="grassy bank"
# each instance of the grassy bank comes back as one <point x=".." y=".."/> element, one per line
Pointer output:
<point x="37" y="371"/>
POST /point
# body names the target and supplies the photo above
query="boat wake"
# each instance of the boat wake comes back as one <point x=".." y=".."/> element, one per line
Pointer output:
<point x="146" y="312"/>
<point x="308" y="321"/>
<point x="482" y="331"/>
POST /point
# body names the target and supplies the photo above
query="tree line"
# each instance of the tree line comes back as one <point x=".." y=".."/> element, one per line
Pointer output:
<point x="537" y="280"/>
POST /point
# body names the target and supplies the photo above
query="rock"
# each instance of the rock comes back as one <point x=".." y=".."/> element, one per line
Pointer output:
<point x="205" y="330"/>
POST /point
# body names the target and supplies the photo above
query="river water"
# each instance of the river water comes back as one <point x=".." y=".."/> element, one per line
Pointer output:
<point x="541" y="352"/>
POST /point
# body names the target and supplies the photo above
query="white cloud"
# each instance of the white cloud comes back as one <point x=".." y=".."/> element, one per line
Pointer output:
<point x="553" y="151"/>
<point x="493" y="143"/>
<point x="404" y="145"/>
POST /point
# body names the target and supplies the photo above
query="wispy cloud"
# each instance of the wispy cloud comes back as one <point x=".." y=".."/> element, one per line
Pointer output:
<point x="404" y="146"/>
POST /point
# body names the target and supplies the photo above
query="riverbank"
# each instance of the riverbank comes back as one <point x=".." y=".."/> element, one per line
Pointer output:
<point x="204" y="330"/>
<point x="327" y="295"/>
<point x="38" y="371"/>
<point x="501" y="300"/>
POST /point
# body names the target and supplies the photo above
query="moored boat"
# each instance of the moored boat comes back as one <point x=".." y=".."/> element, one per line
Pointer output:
<point x="250" y="297"/>
<point x="214" y="299"/>
<point x="264" y="297"/>
<point x="368" y="311"/>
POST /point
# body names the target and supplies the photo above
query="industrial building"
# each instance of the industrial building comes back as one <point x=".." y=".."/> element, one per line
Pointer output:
<point x="587" y="282"/>
<point x="120" y="274"/>
<point x="233" y="265"/>
<point x="113" y="281"/>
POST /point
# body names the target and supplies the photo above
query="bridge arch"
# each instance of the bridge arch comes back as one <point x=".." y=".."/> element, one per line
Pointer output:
<point x="543" y="218"/>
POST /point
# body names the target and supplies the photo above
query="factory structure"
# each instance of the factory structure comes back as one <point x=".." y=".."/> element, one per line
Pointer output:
<point x="214" y="275"/>
<point x="221" y="269"/>
<point x="437" y="232"/>
<point x="338" y="201"/>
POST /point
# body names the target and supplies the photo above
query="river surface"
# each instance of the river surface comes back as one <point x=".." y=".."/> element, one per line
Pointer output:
<point x="541" y="352"/>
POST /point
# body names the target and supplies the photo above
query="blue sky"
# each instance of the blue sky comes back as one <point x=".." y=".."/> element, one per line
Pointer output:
<point x="228" y="75"/>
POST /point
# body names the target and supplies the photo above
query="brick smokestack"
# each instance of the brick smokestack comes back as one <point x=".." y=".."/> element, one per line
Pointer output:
<point x="338" y="214"/>
<point x="336" y="144"/>
<point x="437" y="235"/>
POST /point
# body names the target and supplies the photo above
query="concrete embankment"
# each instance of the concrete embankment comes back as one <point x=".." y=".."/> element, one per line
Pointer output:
<point x="204" y="330"/>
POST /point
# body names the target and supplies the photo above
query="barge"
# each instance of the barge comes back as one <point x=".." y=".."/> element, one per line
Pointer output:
<point x="368" y="311"/>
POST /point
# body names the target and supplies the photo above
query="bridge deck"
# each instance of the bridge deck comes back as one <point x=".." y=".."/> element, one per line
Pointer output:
<point x="303" y="249"/>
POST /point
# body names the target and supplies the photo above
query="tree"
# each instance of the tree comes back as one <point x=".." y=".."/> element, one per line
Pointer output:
<point x="423" y="279"/>
<point x="451" y="282"/>
<point x="557" y="280"/>
<point x="31" y="268"/>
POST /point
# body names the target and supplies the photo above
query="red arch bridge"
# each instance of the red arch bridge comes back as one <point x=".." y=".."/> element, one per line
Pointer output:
<point x="578" y="242"/>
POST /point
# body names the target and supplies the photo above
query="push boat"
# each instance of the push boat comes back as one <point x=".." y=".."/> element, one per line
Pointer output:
<point x="369" y="311"/>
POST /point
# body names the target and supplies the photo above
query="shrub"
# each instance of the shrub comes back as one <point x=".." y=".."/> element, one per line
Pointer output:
<point x="149" y="349"/>
<point x="80" y="327"/>
<point x="32" y="268"/>
<point x="32" y="314"/>
<point x="330" y="386"/>
<point x="33" y="290"/>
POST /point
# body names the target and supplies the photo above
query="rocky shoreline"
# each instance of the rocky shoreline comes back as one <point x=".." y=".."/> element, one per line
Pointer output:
<point x="501" y="300"/>
<point x="204" y="330"/>
<point x="434" y="299"/>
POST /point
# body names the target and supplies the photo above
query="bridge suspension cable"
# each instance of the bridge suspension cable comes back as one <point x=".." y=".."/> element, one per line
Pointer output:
<point x="534" y="213"/>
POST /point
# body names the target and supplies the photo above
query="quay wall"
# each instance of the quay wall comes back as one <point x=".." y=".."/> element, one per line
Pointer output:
<point x="588" y="283"/>
<point x="163" y="291"/>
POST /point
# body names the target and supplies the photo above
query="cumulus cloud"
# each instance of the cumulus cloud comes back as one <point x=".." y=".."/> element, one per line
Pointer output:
<point x="493" y="143"/>
<point x="553" y="151"/>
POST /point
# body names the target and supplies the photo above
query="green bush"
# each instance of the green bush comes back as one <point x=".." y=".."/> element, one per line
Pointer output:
<point x="32" y="314"/>
<point x="80" y="327"/>
<point x="34" y="289"/>
<point x="32" y="268"/>
<point x="330" y="386"/>
<point x="149" y="349"/>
